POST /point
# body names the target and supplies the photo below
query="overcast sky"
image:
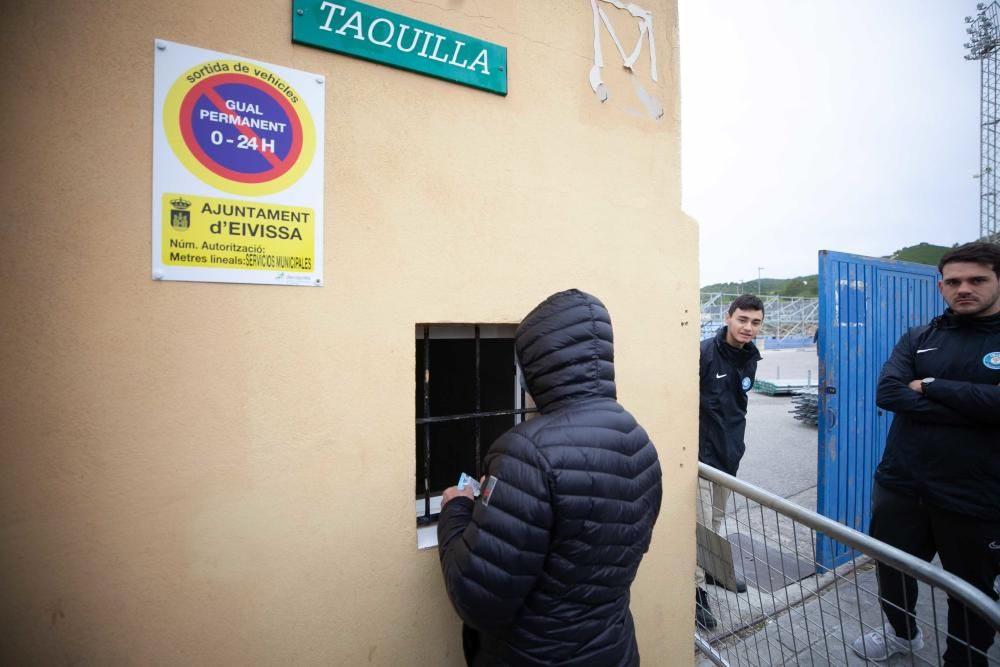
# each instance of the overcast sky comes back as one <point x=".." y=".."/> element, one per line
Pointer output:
<point x="848" y="125"/>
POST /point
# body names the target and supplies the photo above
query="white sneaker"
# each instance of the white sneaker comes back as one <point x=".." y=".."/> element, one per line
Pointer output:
<point x="880" y="645"/>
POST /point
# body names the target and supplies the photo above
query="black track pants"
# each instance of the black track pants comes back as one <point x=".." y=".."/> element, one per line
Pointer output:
<point x="967" y="546"/>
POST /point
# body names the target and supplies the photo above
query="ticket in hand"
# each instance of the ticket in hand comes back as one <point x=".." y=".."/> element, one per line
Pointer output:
<point x="465" y="480"/>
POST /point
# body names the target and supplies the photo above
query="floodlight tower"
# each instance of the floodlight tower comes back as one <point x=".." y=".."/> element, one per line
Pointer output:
<point x="984" y="46"/>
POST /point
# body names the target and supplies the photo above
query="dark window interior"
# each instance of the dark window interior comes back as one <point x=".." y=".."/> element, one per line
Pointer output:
<point x="452" y="393"/>
<point x="465" y="399"/>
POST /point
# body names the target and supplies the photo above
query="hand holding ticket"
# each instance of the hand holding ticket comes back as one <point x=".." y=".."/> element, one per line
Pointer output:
<point x="465" y="480"/>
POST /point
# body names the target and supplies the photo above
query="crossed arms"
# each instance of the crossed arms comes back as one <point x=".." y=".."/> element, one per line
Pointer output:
<point x="945" y="401"/>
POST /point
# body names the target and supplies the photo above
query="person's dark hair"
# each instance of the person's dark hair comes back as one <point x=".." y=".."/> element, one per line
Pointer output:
<point x="746" y="302"/>
<point x="977" y="253"/>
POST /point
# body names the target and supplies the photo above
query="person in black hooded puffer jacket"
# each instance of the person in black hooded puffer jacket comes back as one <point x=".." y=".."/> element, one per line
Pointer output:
<point x="540" y="565"/>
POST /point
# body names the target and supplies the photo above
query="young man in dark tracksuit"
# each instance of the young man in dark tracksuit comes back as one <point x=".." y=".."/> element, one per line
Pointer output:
<point x="727" y="369"/>
<point x="937" y="489"/>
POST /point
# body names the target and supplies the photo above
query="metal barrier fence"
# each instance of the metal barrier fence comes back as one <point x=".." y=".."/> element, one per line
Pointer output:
<point x="795" y="612"/>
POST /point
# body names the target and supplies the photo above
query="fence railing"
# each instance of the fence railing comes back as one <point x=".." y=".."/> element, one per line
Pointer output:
<point x="794" y="611"/>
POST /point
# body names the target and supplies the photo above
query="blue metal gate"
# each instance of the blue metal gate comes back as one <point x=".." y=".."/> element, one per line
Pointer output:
<point x="865" y="305"/>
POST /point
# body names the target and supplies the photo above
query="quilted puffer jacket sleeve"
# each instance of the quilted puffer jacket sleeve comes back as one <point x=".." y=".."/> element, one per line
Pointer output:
<point x="492" y="555"/>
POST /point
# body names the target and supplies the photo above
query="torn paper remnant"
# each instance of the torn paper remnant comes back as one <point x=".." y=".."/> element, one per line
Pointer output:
<point x="645" y="25"/>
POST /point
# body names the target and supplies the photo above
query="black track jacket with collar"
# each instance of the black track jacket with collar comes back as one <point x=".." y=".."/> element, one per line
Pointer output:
<point x="726" y="375"/>
<point x="944" y="444"/>
<point x="543" y="569"/>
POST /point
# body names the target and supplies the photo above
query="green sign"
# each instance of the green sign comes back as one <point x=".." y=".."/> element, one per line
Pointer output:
<point x="363" y="31"/>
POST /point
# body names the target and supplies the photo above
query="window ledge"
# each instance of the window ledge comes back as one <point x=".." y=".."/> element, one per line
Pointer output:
<point x="427" y="536"/>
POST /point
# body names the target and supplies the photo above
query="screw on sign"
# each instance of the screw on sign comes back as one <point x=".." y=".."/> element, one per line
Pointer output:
<point x="241" y="128"/>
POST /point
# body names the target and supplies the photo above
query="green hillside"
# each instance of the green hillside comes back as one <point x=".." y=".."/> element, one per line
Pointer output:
<point x="808" y="286"/>
<point x="797" y="286"/>
<point x="922" y="253"/>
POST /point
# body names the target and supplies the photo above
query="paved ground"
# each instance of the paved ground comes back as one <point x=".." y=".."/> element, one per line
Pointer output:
<point x="781" y="451"/>
<point x="779" y="628"/>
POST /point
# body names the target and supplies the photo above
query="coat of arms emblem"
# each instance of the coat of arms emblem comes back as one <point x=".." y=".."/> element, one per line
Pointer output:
<point x="180" y="216"/>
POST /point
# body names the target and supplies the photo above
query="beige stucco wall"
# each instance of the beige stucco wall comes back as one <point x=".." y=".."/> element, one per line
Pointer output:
<point x="211" y="474"/>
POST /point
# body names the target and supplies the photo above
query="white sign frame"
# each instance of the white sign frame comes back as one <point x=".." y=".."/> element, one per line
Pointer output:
<point x="280" y="209"/>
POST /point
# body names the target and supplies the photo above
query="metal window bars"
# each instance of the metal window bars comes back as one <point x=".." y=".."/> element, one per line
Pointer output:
<point x="797" y="612"/>
<point x="518" y="412"/>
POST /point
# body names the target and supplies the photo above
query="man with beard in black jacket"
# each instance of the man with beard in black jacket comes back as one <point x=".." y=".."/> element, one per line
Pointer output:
<point x="937" y="489"/>
<point x="727" y="371"/>
<point x="539" y="567"/>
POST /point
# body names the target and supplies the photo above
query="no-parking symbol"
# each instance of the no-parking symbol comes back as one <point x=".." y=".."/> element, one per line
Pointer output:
<point x="239" y="128"/>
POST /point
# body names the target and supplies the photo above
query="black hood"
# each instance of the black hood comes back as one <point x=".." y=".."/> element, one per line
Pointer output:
<point x="566" y="350"/>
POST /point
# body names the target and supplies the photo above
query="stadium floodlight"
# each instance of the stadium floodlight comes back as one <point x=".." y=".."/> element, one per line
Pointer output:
<point x="984" y="46"/>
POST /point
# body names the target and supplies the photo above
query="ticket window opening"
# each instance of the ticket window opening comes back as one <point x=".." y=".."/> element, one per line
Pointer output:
<point x="467" y="393"/>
